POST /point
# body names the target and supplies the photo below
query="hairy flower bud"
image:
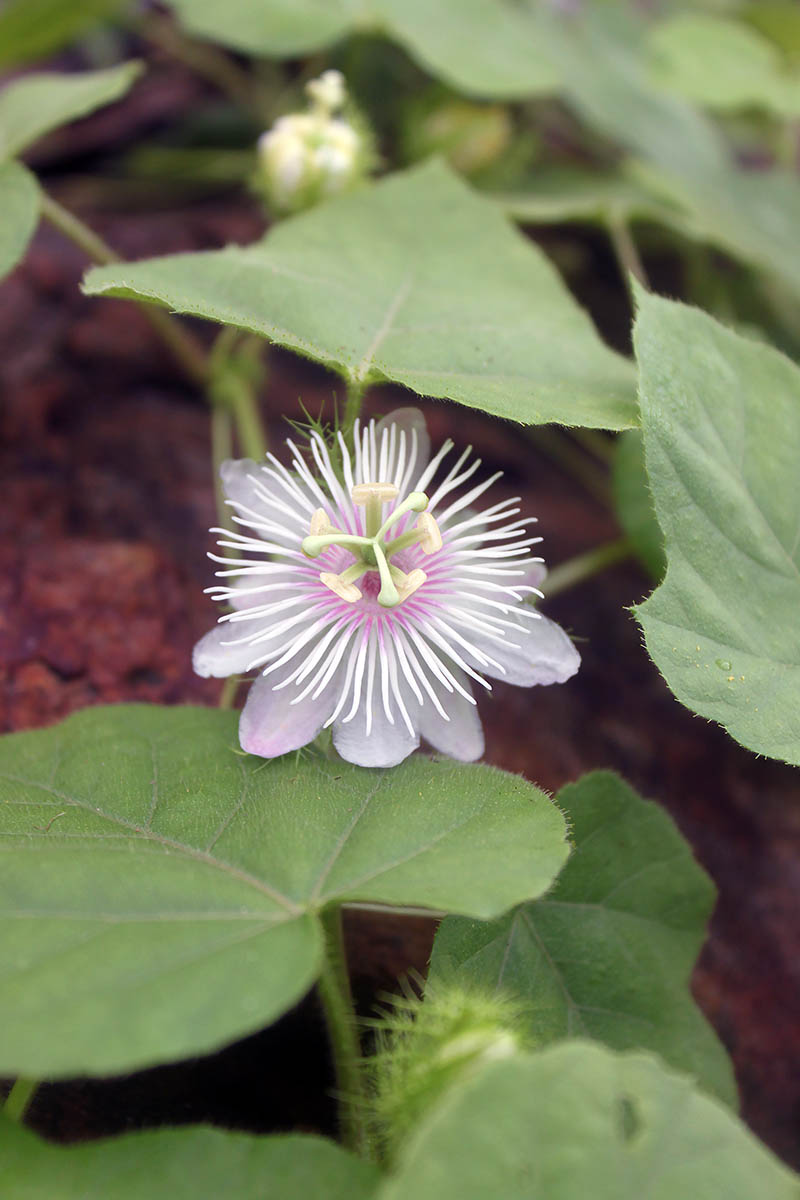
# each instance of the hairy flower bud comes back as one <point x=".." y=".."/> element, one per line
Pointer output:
<point x="425" y="1047"/>
<point x="308" y="156"/>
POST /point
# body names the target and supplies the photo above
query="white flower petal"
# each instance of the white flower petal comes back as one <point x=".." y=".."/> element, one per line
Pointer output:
<point x="271" y="725"/>
<point x="212" y="658"/>
<point x="407" y="420"/>
<point x="540" y="652"/>
<point x="462" y="736"/>
<point x="386" y="746"/>
<point x="237" y="485"/>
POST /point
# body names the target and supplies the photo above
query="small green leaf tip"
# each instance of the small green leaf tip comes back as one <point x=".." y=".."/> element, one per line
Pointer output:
<point x="426" y="1046"/>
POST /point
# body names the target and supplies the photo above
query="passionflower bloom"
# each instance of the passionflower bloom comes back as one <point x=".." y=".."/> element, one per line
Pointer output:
<point x="372" y="597"/>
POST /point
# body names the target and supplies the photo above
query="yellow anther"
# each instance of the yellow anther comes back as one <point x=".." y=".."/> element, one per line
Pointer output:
<point x="430" y="535"/>
<point x="320" y="523"/>
<point x="413" y="580"/>
<point x="362" y="493"/>
<point x="373" y="496"/>
<point x="345" y="591"/>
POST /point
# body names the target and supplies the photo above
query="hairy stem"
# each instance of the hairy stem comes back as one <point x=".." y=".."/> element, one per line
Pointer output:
<point x="186" y="350"/>
<point x="19" y="1098"/>
<point x="352" y="408"/>
<point x="627" y="255"/>
<point x="584" y="566"/>
<point x="333" y="986"/>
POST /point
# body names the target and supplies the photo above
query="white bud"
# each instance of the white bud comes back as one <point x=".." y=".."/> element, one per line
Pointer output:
<point x="307" y="156"/>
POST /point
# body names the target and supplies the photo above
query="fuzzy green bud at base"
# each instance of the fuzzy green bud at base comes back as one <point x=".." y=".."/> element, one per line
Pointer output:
<point x="425" y="1047"/>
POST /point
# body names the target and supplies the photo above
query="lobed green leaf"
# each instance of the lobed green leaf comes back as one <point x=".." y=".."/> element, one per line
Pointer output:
<point x="578" y="1121"/>
<point x="608" y="953"/>
<point x="160" y="891"/>
<point x="181" y="1164"/>
<point x="416" y="280"/>
<point x="721" y="423"/>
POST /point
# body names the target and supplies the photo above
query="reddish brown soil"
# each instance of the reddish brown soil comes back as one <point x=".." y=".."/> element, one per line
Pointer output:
<point x="106" y="501"/>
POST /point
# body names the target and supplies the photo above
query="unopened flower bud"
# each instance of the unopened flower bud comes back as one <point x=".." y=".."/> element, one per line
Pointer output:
<point x="306" y="157"/>
<point x="425" y="1047"/>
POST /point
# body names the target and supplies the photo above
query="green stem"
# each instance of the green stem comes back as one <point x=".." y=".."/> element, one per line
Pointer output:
<point x="595" y="443"/>
<point x="352" y="408"/>
<point x="186" y="350"/>
<point x="19" y="1098"/>
<point x="584" y="566"/>
<point x="626" y="253"/>
<point x="244" y="406"/>
<point x="227" y="693"/>
<point x="333" y="986"/>
<point x="560" y="447"/>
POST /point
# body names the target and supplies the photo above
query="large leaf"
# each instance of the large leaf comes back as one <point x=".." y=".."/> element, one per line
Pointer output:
<point x="35" y="104"/>
<point x="31" y="30"/>
<point x="486" y="47"/>
<point x="160" y="891"/>
<point x="607" y="954"/>
<point x="416" y="280"/>
<point x="19" y="204"/>
<point x="752" y="215"/>
<point x="577" y="1121"/>
<point x="181" y="1164"/>
<point x="721" y="63"/>
<point x="721" y="419"/>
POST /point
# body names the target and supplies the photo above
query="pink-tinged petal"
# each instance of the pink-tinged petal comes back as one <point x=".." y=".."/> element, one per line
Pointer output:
<point x="212" y="657"/>
<point x="535" y="575"/>
<point x="538" y="653"/>
<point x="271" y="725"/>
<point x="462" y="736"/>
<point x="237" y="476"/>
<point x="386" y="745"/>
<point x="407" y="419"/>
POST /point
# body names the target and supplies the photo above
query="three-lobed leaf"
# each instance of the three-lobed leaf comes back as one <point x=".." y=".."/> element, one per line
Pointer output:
<point x="608" y="952"/>
<point x="416" y="280"/>
<point x="198" y="1163"/>
<point x="160" y="890"/>
<point x="19" y="204"/>
<point x="33" y="105"/>
<point x="577" y="1121"/>
<point x="721" y="424"/>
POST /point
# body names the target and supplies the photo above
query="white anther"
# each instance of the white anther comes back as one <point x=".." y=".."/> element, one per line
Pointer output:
<point x="320" y="524"/>
<point x="431" y="538"/>
<point x="413" y="580"/>
<point x="345" y="591"/>
<point x="362" y="493"/>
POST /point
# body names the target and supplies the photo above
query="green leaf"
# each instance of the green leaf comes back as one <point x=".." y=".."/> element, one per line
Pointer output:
<point x="483" y="47"/>
<point x="721" y="421"/>
<point x="722" y="64"/>
<point x="577" y="1121"/>
<point x="634" y="503"/>
<point x="416" y="280"/>
<point x="31" y="30"/>
<point x="19" y="204"/>
<point x="607" y="954"/>
<point x="752" y="215"/>
<point x="181" y="1164"/>
<point x="160" y="890"/>
<point x="35" y="104"/>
